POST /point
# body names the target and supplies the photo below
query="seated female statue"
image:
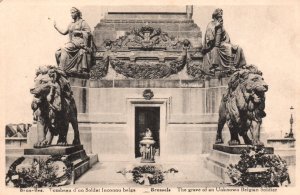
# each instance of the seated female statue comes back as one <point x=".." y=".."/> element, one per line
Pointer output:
<point x="74" y="56"/>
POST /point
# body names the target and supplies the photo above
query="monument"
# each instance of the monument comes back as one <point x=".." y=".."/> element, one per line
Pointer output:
<point x="145" y="67"/>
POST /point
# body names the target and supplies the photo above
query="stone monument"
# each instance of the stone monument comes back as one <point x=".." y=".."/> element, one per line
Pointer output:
<point x="147" y="148"/>
<point x="152" y="61"/>
<point x="139" y="54"/>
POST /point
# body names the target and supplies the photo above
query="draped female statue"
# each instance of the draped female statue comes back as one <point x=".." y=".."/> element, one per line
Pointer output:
<point x="75" y="55"/>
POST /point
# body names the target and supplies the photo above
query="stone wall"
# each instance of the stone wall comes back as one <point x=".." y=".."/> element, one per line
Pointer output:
<point x="115" y="24"/>
<point x="106" y="111"/>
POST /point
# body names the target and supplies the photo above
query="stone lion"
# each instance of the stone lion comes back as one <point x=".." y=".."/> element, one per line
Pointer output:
<point x="53" y="106"/>
<point x="242" y="106"/>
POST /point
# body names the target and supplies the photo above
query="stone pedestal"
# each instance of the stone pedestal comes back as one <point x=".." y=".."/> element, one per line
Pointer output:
<point x="75" y="154"/>
<point x="237" y="149"/>
<point x="223" y="155"/>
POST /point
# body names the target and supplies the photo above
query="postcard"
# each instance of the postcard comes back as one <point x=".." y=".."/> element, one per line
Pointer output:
<point x="155" y="97"/>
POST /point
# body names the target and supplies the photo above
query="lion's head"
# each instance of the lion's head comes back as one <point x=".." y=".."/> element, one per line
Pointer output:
<point x="250" y="82"/>
<point x="50" y="83"/>
<point x="47" y="95"/>
<point x="46" y="77"/>
<point x="50" y="88"/>
<point x="254" y="84"/>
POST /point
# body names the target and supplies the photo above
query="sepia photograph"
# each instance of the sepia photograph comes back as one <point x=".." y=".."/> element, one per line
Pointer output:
<point x="149" y="97"/>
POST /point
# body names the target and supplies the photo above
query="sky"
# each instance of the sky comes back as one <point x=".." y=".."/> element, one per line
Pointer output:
<point x="269" y="35"/>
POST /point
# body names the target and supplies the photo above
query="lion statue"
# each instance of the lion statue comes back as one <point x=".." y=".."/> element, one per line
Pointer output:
<point x="242" y="106"/>
<point x="53" y="107"/>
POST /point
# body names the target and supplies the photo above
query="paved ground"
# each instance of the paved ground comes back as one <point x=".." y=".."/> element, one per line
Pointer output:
<point x="189" y="175"/>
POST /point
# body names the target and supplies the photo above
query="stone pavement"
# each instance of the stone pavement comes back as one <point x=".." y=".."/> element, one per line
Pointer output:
<point x="190" y="174"/>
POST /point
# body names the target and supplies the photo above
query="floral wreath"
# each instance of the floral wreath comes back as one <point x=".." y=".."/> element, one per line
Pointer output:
<point x="258" y="169"/>
<point x="56" y="170"/>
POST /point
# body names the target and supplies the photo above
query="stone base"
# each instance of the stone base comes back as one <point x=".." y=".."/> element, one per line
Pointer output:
<point x="218" y="161"/>
<point x="147" y="161"/>
<point x="51" y="150"/>
<point x="237" y="149"/>
<point x="80" y="167"/>
<point x="223" y="155"/>
<point x="93" y="159"/>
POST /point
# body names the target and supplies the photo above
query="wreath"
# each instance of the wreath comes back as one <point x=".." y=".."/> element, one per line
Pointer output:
<point x="55" y="170"/>
<point x="153" y="174"/>
<point x="148" y="70"/>
<point x="258" y="169"/>
<point x="147" y="174"/>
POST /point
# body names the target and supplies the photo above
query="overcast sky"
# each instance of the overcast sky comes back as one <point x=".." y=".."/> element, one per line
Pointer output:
<point x="268" y="35"/>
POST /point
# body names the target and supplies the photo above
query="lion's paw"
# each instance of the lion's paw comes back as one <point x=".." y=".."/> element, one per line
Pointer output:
<point x="37" y="145"/>
<point x="258" y="143"/>
<point x="219" y="141"/>
<point x="62" y="143"/>
<point x="41" y="144"/>
<point x="45" y="143"/>
<point x="233" y="142"/>
<point x="76" y="142"/>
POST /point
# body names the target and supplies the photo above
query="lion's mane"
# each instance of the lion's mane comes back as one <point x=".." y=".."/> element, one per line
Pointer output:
<point x="240" y="107"/>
